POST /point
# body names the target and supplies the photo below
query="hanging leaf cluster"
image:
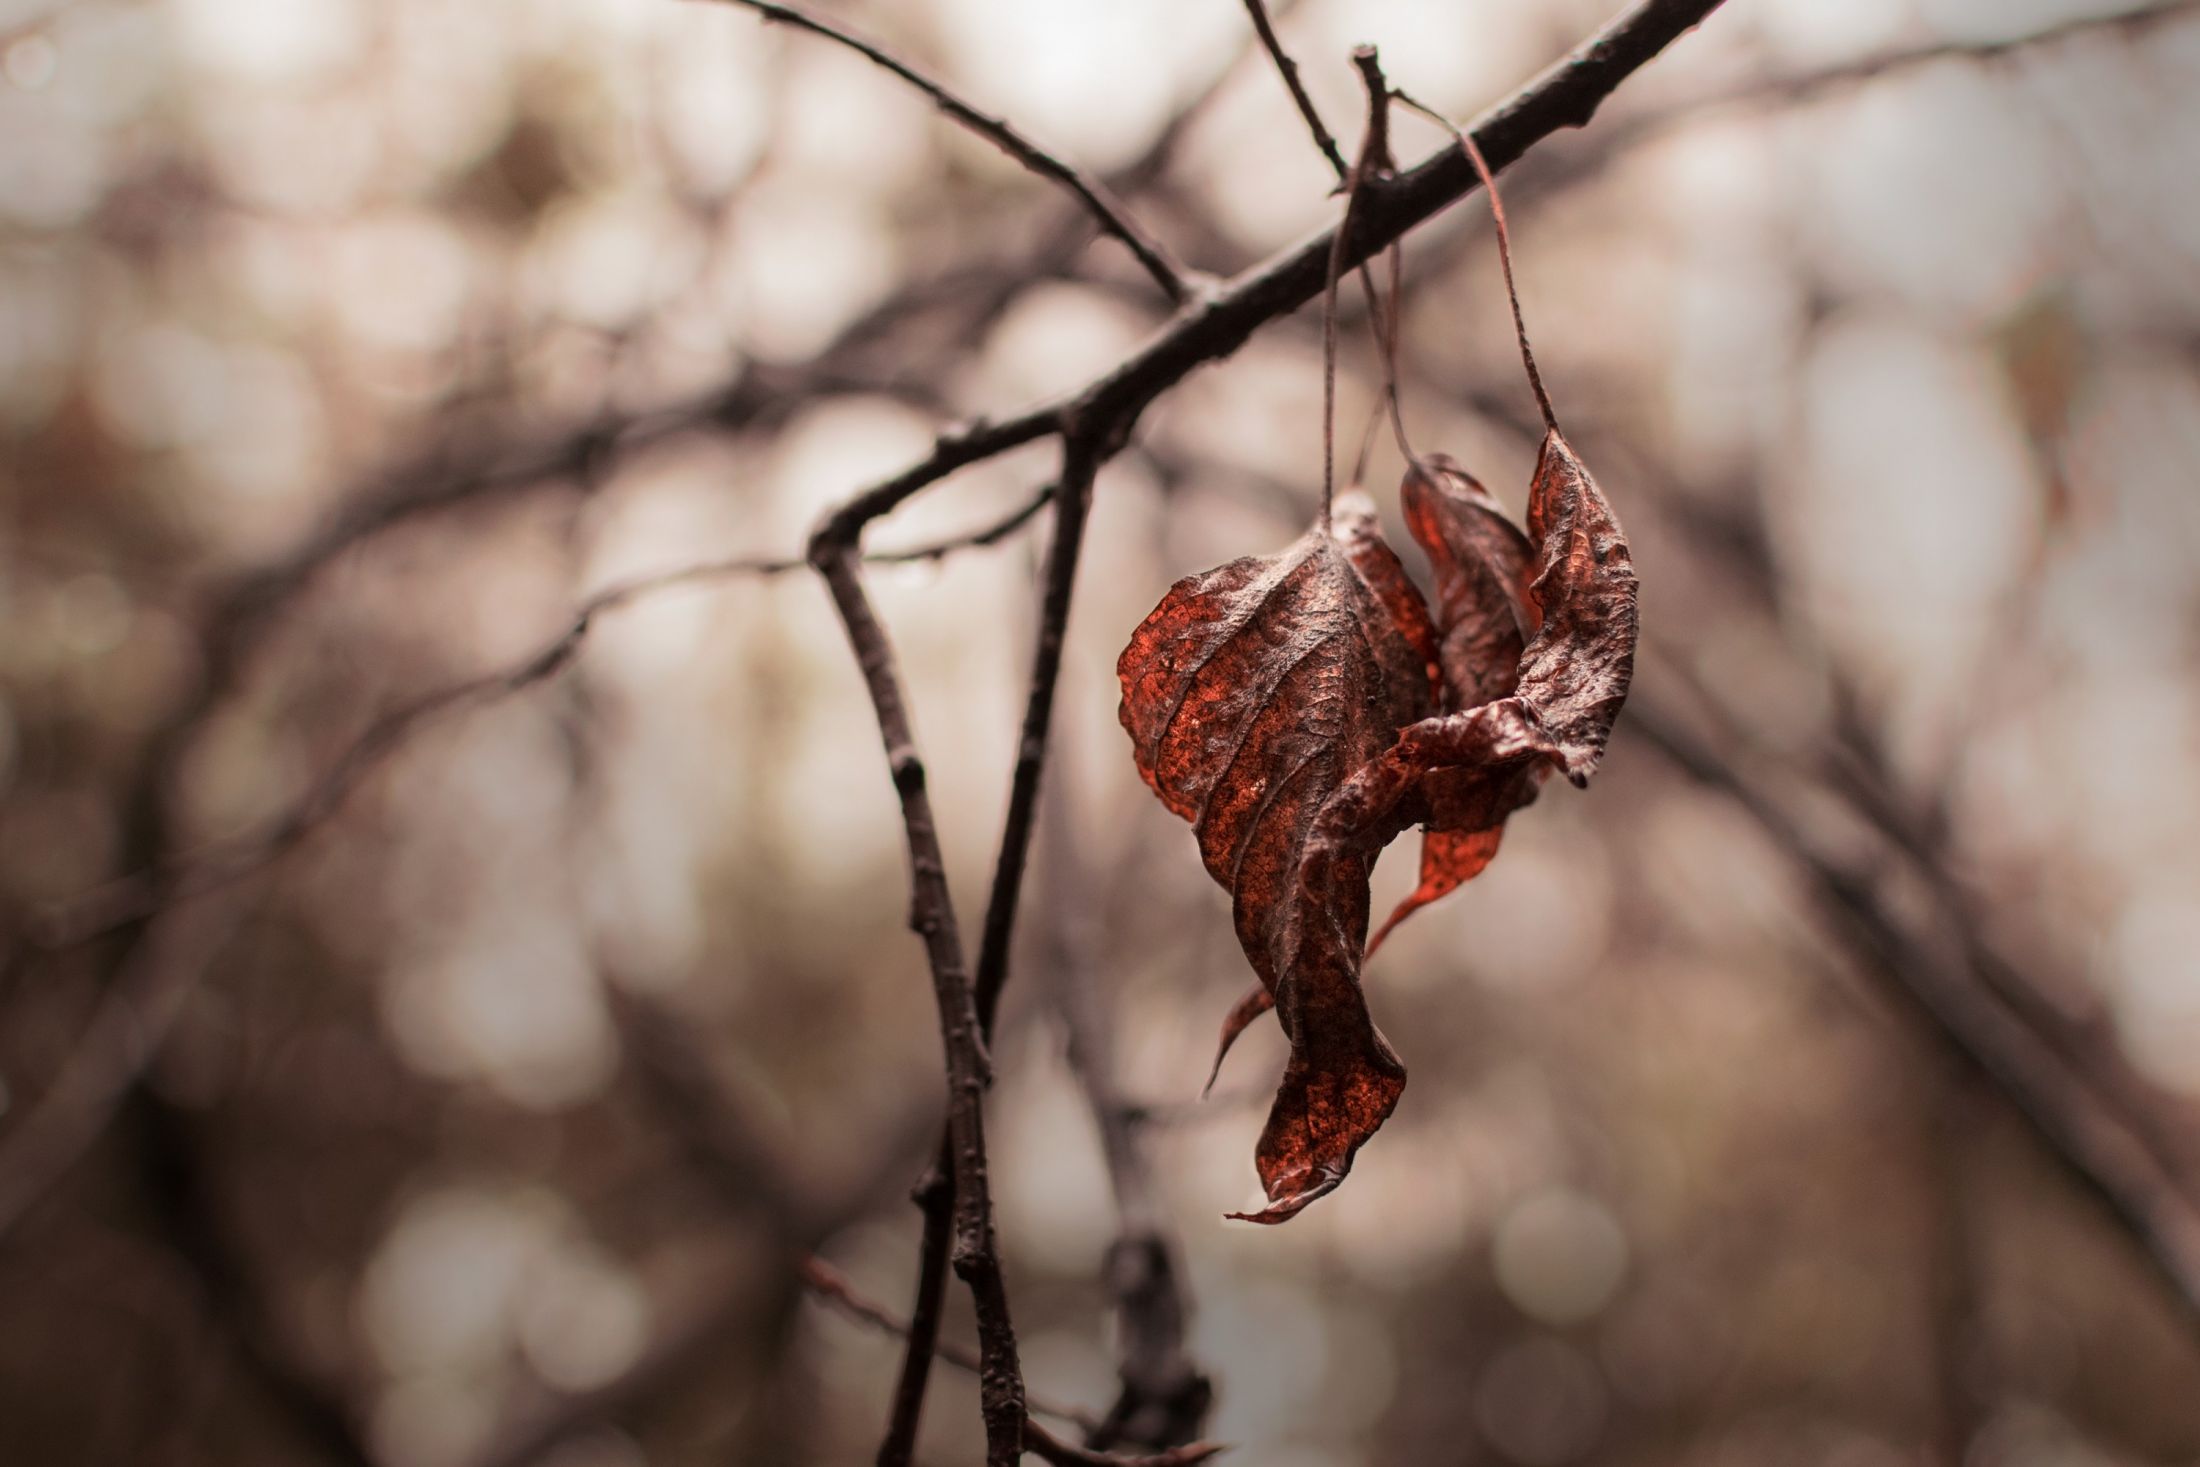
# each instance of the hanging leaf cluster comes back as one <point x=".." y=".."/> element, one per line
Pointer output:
<point x="1303" y="709"/>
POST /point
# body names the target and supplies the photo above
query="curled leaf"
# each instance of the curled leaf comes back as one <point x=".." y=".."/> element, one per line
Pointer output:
<point x="1304" y="708"/>
<point x="1480" y="561"/>
<point x="1251" y="693"/>
<point x="1577" y="670"/>
<point x="1342" y="1079"/>
<point x="1462" y="773"/>
<point x="1255" y="689"/>
<point x="1580" y="609"/>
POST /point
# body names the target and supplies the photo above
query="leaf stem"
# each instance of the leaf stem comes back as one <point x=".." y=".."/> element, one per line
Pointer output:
<point x="1504" y="247"/>
<point x="1374" y="158"/>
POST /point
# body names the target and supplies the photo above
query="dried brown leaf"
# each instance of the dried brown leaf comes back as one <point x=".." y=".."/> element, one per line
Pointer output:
<point x="1480" y="562"/>
<point x="1576" y="672"/>
<point x="1255" y="689"/>
<point x="1251" y="693"/>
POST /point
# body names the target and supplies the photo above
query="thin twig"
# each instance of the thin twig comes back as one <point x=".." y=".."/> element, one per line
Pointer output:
<point x="934" y="1195"/>
<point x="1175" y="280"/>
<point x="1073" y="505"/>
<point x="1080" y="464"/>
<point x="1385" y="331"/>
<point x="134" y="897"/>
<point x="1289" y="71"/>
<point x="1807" y="86"/>
<point x="833" y="1286"/>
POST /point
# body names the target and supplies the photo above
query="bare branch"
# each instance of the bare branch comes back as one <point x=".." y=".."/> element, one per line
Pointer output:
<point x="1808" y="86"/>
<point x="975" y="1252"/>
<point x="1096" y="423"/>
<point x="444" y="476"/>
<point x="451" y="473"/>
<point x="1289" y="71"/>
<point x="1078" y="471"/>
<point x="1565" y="95"/>
<point x="1103" y="415"/>
<point x="830" y="1284"/>
<point x="1373" y="161"/>
<point x="1048" y="1447"/>
<point x="141" y="895"/>
<point x="1073" y="505"/>
<point x="1175" y="280"/>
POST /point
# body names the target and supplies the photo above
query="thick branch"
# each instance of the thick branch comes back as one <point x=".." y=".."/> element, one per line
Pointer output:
<point x="1566" y="95"/>
<point x="1175" y="281"/>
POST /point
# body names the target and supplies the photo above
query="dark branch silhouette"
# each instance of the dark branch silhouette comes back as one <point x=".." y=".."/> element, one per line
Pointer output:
<point x="1175" y="281"/>
<point x="1264" y="27"/>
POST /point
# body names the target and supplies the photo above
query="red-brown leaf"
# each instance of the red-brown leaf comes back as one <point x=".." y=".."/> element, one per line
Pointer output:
<point x="1580" y="610"/>
<point x="1251" y="693"/>
<point x="1577" y="670"/>
<point x="1480" y="561"/>
<point x="1471" y="769"/>
<point x="1255" y="689"/>
<point x="1343" y="1079"/>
